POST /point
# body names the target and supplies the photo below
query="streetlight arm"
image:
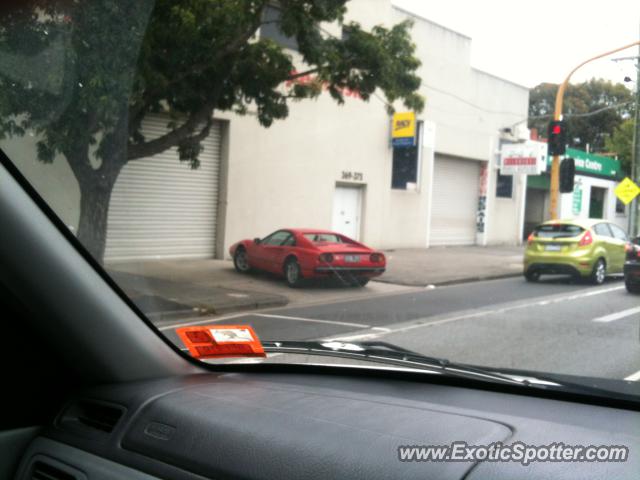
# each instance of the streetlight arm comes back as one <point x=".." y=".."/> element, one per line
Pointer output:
<point x="557" y="115"/>
<point x="560" y="95"/>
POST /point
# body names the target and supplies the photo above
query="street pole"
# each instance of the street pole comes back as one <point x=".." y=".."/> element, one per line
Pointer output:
<point x="557" y="115"/>
<point x="635" y="156"/>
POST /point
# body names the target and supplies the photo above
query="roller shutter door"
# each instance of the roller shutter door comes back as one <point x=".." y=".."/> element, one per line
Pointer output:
<point x="161" y="208"/>
<point x="454" y="201"/>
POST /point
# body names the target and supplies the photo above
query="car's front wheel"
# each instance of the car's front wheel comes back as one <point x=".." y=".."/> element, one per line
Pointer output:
<point x="241" y="260"/>
<point x="631" y="286"/>
<point x="292" y="273"/>
<point x="599" y="272"/>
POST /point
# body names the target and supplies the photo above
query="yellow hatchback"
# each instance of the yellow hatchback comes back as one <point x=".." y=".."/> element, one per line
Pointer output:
<point x="584" y="248"/>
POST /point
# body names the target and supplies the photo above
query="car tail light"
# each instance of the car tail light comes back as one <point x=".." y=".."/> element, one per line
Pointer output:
<point x="587" y="239"/>
<point x="530" y="238"/>
<point x="326" y="257"/>
<point x="376" y="258"/>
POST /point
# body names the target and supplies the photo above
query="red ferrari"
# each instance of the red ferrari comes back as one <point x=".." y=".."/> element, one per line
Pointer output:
<point x="299" y="254"/>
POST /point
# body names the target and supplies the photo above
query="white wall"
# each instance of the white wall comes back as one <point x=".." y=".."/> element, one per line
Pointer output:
<point x="566" y="201"/>
<point x="469" y="108"/>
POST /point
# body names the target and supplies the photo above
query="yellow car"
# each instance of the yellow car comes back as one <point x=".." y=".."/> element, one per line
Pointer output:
<point x="584" y="248"/>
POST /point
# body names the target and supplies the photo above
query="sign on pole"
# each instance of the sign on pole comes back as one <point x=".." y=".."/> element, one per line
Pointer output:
<point x="627" y="190"/>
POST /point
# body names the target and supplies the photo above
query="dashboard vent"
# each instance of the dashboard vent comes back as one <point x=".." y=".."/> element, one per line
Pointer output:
<point x="44" y="471"/>
<point x="98" y="416"/>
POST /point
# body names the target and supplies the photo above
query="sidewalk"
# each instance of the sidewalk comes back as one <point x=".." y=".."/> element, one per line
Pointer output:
<point x="172" y="289"/>
<point x="447" y="265"/>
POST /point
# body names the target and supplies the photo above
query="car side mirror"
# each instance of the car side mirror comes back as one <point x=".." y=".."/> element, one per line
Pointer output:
<point x="256" y="241"/>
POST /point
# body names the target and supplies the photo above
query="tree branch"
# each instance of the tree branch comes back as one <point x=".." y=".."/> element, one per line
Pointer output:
<point x="302" y="74"/>
<point x="172" y="138"/>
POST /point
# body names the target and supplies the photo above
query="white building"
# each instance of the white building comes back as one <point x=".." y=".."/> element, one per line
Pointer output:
<point x="332" y="167"/>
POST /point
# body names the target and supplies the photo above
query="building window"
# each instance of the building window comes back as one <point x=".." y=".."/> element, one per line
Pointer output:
<point x="406" y="162"/>
<point x="504" y="186"/>
<point x="621" y="208"/>
<point x="270" y="28"/>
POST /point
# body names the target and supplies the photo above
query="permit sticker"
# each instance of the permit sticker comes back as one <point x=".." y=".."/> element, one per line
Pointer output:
<point x="221" y="341"/>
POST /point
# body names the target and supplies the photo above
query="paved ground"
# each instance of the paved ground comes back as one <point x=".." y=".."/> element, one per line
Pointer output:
<point x="554" y="325"/>
<point x="166" y="289"/>
<point x="446" y="265"/>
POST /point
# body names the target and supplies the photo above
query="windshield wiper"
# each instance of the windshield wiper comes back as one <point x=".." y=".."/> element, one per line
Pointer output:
<point x="389" y="354"/>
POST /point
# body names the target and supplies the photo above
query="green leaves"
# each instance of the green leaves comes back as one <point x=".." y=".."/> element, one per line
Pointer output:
<point x="593" y="110"/>
<point x="95" y="61"/>
<point x="620" y="143"/>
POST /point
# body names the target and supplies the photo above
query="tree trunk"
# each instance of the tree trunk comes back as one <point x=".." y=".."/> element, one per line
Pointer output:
<point x="95" y="195"/>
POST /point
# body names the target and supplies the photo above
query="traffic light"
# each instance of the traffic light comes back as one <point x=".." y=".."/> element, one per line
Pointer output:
<point x="567" y="175"/>
<point x="557" y="137"/>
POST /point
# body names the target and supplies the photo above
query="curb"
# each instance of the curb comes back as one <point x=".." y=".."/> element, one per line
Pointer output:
<point x="457" y="281"/>
<point x="198" y="311"/>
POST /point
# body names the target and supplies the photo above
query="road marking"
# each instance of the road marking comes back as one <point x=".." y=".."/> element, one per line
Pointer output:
<point x="304" y="319"/>
<point x="267" y="315"/>
<point x="617" y="316"/>
<point x="424" y="322"/>
<point x="634" y="377"/>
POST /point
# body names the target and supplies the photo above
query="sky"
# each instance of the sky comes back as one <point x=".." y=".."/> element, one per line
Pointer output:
<point x="541" y="41"/>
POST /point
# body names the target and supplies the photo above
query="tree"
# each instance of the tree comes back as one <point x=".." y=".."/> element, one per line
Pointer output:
<point x="103" y="66"/>
<point x="612" y="102"/>
<point x="620" y="143"/>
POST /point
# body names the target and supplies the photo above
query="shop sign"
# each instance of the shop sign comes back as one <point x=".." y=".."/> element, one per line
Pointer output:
<point x="577" y="199"/>
<point x="528" y="158"/>
<point x="403" y="130"/>
<point x="593" y="165"/>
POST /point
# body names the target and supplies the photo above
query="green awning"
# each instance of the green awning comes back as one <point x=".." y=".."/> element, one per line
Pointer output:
<point x="541" y="182"/>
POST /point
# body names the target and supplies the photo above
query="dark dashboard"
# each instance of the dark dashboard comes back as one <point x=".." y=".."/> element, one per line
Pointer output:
<point x="267" y="425"/>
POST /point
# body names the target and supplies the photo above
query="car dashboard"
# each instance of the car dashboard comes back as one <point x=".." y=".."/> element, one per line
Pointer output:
<point x="288" y="425"/>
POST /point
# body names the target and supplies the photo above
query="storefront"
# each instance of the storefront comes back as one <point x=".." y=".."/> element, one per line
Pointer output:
<point x="592" y="197"/>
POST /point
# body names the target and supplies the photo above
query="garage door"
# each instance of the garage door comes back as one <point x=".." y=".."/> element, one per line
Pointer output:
<point x="161" y="208"/>
<point x="454" y="201"/>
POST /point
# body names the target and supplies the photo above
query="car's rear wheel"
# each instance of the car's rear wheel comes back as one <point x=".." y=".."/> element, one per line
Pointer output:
<point x="631" y="286"/>
<point x="532" y="276"/>
<point x="599" y="272"/>
<point x="292" y="273"/>
<point x="241" y="260"/>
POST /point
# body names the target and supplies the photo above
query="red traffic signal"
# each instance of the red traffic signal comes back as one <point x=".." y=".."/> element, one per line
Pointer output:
<point x="557" y="138"/>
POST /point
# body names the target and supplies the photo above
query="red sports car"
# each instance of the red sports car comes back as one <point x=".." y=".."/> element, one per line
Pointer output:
<point x="299" y="254"/>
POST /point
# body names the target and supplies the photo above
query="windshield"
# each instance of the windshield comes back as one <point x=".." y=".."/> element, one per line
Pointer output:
<point x="557" y="231"/>
<point x="324" y="238"/>
<point x="340" y="172"/>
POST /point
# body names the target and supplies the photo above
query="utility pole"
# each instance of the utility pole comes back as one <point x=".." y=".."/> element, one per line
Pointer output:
<point x="555" y="165"/>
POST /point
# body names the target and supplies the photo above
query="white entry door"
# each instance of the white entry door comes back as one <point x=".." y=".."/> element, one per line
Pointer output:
<point x="347" y="204"/>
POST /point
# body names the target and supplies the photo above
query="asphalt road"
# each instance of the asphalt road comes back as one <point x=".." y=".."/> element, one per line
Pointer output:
<point x="553" y="326"/>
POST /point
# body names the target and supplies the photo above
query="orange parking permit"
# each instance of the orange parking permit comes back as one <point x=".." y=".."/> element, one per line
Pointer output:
<point x="221" y="341"/>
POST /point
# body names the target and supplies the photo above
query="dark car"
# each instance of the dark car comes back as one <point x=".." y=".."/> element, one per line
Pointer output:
<point x="632" y="267"/>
